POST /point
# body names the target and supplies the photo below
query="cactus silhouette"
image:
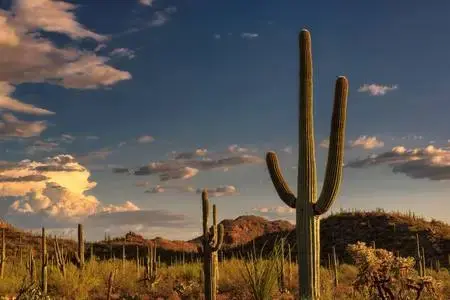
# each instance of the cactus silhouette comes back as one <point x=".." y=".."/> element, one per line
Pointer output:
<point x="308" y="206"/>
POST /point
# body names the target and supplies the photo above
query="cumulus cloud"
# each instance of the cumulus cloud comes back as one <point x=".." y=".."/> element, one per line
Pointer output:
<point x="123" y="52"/>
<point x="216" y="36"/>
<point x="145" y="139"/>
<point x="376" y="89"/>
<point x="180" y="173"/>
<point x="223" y="190"/>
<point x="10" y="126"/>
<point x="53" y="192"/>
<point x="62" y="194"/>
<point x="275" y="212"/>
<point x="429" y="162"/>
<point x="367" y="142"/>
<point x="249" y="35"/>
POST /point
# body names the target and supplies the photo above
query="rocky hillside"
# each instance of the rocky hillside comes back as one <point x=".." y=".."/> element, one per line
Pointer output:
<point x="392" y="231"/>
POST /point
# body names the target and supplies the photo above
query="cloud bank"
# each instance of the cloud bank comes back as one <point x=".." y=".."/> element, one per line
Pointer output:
<point x="429" y="162"/>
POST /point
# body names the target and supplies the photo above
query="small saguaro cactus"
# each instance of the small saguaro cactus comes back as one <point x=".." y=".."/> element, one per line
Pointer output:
<point x="44" y="262"/>
<point x="308" y="206"/>
<point x="211" y="243"/>
<point x="3" y="254"/>
<point x="31" y="266"/>
<point x="60" y="258"/>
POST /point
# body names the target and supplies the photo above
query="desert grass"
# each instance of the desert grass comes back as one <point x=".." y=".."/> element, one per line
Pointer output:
<point x="250" y="277"/>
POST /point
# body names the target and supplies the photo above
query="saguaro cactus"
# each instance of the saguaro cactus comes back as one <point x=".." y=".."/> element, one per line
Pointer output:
<point x="3" y="254"/>
<point x="211" y="243"/>
<point x="31" y="266"/>
<point x="44" y="262"/>
<point x="308" y="206"/>
<point x="80" y="252"/>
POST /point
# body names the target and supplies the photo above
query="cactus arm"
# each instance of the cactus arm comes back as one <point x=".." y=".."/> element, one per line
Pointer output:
<point x="219" y="240"/>
<point x="334" y="169"/>
<point x="307" y="179"/>
<point x="281" y="186"/>
<point x="205" y="208"/>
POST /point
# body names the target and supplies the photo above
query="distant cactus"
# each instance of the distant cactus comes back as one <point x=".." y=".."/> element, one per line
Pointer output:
<point x="3" y="254"/>
<point x="308" y="206"/>
<point x="44" y="262"/>
<point x="60" y="258"/>
<point x="31" y="266"/>
<point x="211" y="243"/>
<point x="79" y="255"/>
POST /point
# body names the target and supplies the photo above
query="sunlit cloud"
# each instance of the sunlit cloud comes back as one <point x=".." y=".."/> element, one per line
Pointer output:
<point x="429" y="162"/>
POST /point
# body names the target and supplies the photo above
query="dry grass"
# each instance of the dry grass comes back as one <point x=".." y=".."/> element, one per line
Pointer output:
<point x="181" y="281"/>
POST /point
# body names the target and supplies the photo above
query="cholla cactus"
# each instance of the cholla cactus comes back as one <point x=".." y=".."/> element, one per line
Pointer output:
<point x="308" y="206"/>
<point x="382" y="275"/>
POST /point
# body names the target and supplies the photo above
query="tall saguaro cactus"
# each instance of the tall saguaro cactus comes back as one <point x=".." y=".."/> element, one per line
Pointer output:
<point x="44" y="262"/>
<point x="308" y="206"/>
<point x="80" y="252"/>
<point x="211" y="242"/>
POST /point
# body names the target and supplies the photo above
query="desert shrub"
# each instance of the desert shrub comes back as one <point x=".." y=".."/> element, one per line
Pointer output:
<point x="382" y="275"/>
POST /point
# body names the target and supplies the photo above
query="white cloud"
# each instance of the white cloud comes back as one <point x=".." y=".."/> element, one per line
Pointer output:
<point x="123" y="52"/>
<point x="377" y="89"/>
<point x="325" y="143"/>
<point x="216" y="36"/>
<point x="127" y="206"/>
<point x="249" y="35"/>
<point x="429" y="162"/>
<point x="146" y="2"/>
<point x="145" y="139"/>
<point x="275" y="212"/>
<point x="367" y="142"/>
<point x="225" y="190"/>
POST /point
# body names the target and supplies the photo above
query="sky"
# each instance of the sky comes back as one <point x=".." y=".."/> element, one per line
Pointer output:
<point x="118" y="114"/>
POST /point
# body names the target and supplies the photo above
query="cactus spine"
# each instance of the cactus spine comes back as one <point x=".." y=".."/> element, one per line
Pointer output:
<point x="44" y="262"/>
<point x="3" y="254"/>
<point x="308" y="206"/>
<point x="211" y="244"/>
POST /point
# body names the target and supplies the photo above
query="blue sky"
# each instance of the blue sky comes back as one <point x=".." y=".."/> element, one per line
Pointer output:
<point x="89" y="90"/>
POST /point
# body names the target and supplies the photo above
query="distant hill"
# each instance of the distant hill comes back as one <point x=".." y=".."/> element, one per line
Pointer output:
<point x="391" y="231"/>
